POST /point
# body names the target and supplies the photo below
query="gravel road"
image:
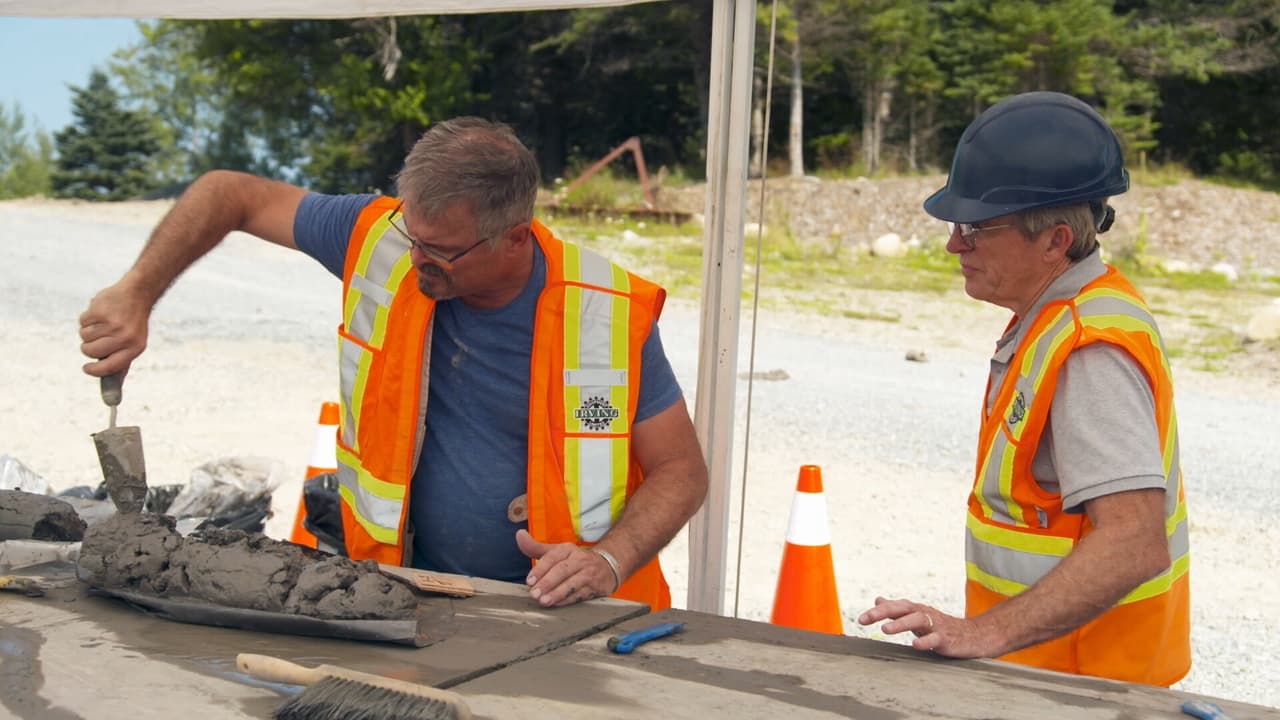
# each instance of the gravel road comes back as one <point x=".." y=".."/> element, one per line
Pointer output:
<point x="241" y="356"/>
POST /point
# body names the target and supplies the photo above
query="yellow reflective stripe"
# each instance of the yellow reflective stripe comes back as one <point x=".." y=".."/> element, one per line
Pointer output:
<point x="1167" y="446"/>
<point x="358" y="389"/>
<point x="619" y="353"/>
<point x="1054" y="343"/>
<point x="618" y="487"/>
<point x="386" y="536"/>
<point x="370" y="495"/>
<point x="573" y="471"/>
<point x="980" y="491"/>
<point x="1030" y="357"/>
<point x="1179" y="514"/>
<point x="620" y="396"/>
<point x="1018" y="540"/>
<point x="367" y="249"/>
<point x="1012" y="509"/>
<point x="1008" y="588"/>
<point x="1103" y="292"/>
<point x="402" y="266"/>
<point x="572" y="360"/>
<point x="1161" y="583"/>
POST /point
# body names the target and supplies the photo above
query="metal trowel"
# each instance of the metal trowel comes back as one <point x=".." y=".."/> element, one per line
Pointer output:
<point x="120" y="453"/>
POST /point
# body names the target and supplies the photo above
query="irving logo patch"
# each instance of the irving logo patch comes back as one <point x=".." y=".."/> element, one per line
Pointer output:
<point x="1018" y="410"/>
<point x="596" y="414"/>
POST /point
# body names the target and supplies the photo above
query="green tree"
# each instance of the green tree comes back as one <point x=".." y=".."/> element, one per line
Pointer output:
<point x="178" y="91"/>
<point x="26" y="159"/>
<point x="335" y="104"/>
<point x="106" y="152"/>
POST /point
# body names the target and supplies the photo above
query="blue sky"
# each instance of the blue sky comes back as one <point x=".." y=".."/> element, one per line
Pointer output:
<point x="40" y="57"/>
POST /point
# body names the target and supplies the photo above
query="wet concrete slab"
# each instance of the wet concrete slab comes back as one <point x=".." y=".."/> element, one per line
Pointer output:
<point x="72" y="655"/>
<point x="721" y="667"/>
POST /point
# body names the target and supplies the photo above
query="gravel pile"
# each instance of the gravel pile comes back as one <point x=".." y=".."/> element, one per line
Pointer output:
<point x="1193" y="221"/>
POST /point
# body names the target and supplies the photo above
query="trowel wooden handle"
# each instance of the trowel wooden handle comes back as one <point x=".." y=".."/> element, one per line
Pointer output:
<point x="113" y="388"/>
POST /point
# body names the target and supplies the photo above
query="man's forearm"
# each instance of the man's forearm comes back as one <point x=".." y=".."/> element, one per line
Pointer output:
<point x="655" y="513"/>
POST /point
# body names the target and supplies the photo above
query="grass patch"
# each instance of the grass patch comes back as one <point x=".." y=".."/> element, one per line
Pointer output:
<point x="882" y="317"/>
<point x="671" y="255"/>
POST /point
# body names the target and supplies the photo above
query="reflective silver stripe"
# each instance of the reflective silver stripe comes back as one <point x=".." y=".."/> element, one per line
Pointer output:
<point x="595" y="457"/>
<point x="1026" y="568"/>
<point x="376" y="293"/>
<point x="594" y="519"/>
<point x="1020" y="567"/>
<point x="1115" y="305"/>
<point x="594" y="269"/>
<point x="349" y="355"/>
<point x="596" y="354"/>
<point x="372" y="285"/>
<point x="363" y="314"/>
<point x="381" y="512"/>
<point x="595" y="334"/>
<point x="1026" y="377"/>
<point x="595" y="378"/>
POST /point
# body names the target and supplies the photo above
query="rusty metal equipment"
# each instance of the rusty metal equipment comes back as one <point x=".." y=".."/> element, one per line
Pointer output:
<point x="633" y="144"/>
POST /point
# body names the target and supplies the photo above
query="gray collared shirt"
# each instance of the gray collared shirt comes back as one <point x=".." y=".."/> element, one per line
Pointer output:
<point x="1101" y="434"/>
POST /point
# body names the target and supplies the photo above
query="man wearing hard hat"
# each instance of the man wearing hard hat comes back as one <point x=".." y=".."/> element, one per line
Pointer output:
<point x="1076" y="548"/>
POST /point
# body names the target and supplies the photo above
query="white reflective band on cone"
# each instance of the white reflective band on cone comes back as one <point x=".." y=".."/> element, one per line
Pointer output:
<point x="324" y="452"/>
<point x="808" y="524"/>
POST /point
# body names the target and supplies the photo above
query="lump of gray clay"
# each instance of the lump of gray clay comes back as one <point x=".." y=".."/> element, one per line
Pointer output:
<point x="144" y="553"/>
<point x="27" y="516"/>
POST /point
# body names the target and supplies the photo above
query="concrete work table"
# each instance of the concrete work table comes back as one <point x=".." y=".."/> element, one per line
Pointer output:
<point x="69" y="655"/>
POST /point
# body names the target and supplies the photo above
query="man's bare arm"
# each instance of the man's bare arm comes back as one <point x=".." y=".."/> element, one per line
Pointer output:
<point x="113" y="330"/>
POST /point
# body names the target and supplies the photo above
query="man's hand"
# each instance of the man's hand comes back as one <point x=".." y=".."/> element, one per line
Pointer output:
<point x="113" y="330"/>
<point x="565" y="573"/>
<point x="934" y="630"/>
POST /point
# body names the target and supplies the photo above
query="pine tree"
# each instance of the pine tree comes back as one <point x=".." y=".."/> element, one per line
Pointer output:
<point x="104" y="154"/>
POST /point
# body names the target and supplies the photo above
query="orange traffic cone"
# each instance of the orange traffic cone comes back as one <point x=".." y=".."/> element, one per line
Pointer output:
<point x="806" y="594"/>
<point x="324" y="458"/>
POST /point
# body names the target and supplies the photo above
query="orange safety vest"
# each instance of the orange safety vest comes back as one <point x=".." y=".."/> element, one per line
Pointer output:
<point x="1017" y="532"/>
<point x="591" y="322"/>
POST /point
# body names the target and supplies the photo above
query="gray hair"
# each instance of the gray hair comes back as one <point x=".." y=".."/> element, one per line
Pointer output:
<point x="474" y="161"/>
<point x="1077" y="216"/>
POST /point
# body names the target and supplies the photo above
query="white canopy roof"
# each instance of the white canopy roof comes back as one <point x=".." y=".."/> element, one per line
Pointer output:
<point x="732" y="47"/>
<point x="226" y="9"/>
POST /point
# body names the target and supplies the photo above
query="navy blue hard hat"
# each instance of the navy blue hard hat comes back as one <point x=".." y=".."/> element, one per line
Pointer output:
<point x="1033" y="150"/>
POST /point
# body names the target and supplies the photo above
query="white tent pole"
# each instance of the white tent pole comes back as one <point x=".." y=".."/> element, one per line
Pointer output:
<point x="729" y="111"/>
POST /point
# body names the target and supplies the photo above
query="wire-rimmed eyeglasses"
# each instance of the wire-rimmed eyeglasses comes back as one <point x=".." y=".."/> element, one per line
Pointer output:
<point x="968" y="232"/>
<point x="396" y="219"/>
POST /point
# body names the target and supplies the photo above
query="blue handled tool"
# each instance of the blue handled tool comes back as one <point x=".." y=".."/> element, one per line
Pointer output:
<point x="1204" y="710"/>
<point x="626" y="642"/>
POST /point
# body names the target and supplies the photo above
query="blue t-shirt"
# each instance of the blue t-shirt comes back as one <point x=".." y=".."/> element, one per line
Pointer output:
<point x="475" y="453"/>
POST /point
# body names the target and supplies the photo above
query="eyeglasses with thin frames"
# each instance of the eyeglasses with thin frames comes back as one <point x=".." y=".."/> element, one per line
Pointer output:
<point x="444" y="261"/>
<point x="969" y="232"/>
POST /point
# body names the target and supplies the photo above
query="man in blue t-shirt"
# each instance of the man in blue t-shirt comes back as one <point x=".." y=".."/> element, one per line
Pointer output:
<point x="468" y="226"/>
